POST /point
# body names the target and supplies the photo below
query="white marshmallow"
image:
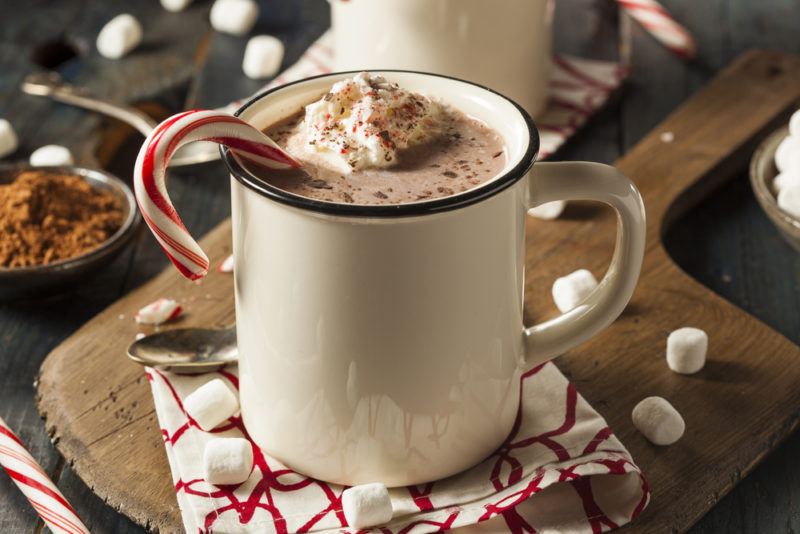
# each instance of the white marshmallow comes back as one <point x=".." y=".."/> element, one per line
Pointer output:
<point x="227" y="265"/>
<point x="794" y="124"/>
<point x="8" y="138"/>
<point x="686" y="350"/>
<point x="789" y="200"/>
<point x="571" y="290"/>
<point x="262" y="57"/>
<point x="658" y="420"/>
<point x="367" y="505"/>
<point x="211" y="404"/>
<point x="787" y="155"/>
<point x="667" y="137"/>
<point x="227" y="461"/>
<point x="159" y="311"/>
<point x="548" y="210"/>
<point x="51" y="155"/>
<point x="786" y="179"/>
<point x="236" y="17"/>
<point x="119" y="36"/>
<point x="175" y="5"/>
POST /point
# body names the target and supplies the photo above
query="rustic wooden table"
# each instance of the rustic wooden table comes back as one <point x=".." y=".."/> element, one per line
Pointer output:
<point x="726" y="242"/>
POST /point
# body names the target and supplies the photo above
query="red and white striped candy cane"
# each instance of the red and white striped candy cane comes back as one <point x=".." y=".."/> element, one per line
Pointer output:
<point x="34" y="483"/>
<point x="149" y="175"/>
<point x="661" y="25"/>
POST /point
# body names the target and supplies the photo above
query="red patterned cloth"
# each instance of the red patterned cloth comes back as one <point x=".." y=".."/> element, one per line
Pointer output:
<point x="560" y="470"/>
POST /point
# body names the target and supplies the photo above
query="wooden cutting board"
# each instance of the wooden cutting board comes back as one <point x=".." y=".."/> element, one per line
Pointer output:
<point x="99" y="410"/>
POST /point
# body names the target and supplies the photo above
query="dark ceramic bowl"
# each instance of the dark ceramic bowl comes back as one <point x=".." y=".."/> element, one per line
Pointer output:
<point x="53" y="278"/>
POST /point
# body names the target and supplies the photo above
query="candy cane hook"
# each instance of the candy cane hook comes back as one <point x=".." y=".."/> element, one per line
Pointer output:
<point x="149" y="176"/>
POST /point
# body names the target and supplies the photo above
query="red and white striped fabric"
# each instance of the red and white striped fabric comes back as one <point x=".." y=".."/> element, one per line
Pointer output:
<point x="661" y="25"/>
<point x="560" y="470"/>
<point x="150" y="173"/>
<point x="31" y="479"/>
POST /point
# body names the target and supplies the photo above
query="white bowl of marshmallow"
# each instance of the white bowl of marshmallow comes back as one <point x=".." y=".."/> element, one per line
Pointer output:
<point x="775" y="178"/>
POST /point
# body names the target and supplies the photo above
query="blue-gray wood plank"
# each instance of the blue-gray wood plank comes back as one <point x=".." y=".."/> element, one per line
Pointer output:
<point x="725" y="242"/>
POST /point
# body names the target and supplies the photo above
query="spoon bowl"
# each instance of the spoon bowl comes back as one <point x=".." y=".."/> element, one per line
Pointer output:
<point x="186" y="350"/>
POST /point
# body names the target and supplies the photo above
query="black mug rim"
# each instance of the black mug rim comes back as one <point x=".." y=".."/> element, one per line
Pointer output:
<point x="427" y="207"/>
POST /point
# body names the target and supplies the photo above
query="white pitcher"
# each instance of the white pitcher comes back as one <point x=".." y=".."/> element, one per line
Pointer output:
<point x="502" y="44"/>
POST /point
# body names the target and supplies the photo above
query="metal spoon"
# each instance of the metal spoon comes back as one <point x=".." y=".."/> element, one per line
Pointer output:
<point x="186" y="350"/>
<point x="51" y="85"/>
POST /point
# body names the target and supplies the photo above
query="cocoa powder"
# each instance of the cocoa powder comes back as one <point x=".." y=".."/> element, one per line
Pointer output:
<point x="47" y="217"/>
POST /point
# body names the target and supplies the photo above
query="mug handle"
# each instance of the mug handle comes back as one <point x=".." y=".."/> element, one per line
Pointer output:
<point x="589" y="181"/>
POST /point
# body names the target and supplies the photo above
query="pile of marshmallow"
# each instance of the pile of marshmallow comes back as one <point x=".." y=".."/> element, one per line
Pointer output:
<point x="262" y="57"/>
<point x="787" y="160"/>
<point x="654" y="417"/>
<point x="225" y="460"/>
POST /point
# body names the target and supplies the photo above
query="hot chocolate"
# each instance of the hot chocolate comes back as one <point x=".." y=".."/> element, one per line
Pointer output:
<point x="370" y="142"/>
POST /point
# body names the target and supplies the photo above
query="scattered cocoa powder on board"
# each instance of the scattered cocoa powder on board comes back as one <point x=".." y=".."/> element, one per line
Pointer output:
<point x="47" y="217"/>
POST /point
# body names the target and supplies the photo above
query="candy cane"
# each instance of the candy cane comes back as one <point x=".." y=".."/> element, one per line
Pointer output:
<point x="660" y="24"/>
<point x="34" y="483"/>
<point x="150" y="173"/>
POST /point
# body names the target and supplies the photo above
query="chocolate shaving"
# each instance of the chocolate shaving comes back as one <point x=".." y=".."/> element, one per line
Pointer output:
<point x="319" y="184"/>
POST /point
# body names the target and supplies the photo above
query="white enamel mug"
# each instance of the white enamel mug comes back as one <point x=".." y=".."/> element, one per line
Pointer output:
<point x="505" y="44"/>
<point x="386" y="343"/>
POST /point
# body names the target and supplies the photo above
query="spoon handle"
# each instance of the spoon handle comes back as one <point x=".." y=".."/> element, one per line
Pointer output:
<point x="52" y="86"/>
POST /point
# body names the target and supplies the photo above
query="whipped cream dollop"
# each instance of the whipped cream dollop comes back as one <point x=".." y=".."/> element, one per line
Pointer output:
<point x="365" y="122"/>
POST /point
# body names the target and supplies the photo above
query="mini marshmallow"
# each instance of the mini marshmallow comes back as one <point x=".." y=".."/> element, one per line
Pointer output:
<point x="658" y="421"/>
<point x="262" y="57"/>
<point x="667" y="137"/>
<point x="158" y="312"/>
<point x="236" y="17"/>
<point x="367" y="505"/>
<point x="571" y="290"/>
<point x="548" y="210"/>
<point x="226" y="266"/>
<point x="794" y="124"/>
<point x="787" y="155"/>
<point x="55" y="155"/>
<point x="227" y="461"/>
<point x="786" y="179"/>
<point x="119" y="36"/>
<point x="686" y="350"/>
<point x="789" y="200"/>
<point x="8" y="138"/>
<point x="211" y="404"/>
<point x="175" y="5"/>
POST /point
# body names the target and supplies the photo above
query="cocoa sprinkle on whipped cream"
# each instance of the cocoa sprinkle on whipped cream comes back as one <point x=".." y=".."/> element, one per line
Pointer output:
<point x="365" y="122"/>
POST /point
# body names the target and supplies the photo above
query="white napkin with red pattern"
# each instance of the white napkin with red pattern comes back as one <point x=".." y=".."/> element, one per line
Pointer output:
<point x="560" y="470"/>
